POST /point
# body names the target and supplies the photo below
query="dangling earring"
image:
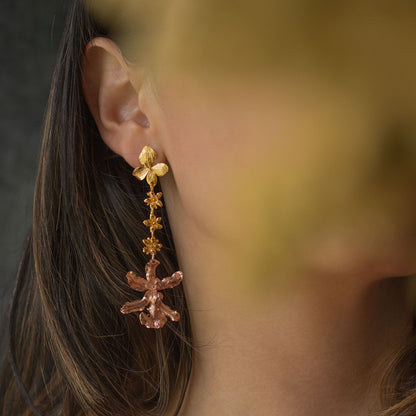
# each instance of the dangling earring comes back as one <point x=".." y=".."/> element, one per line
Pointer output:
<point x="158" y="312"/>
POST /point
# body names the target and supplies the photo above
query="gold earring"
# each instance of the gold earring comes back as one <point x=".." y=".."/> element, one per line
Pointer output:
<point x="157" y="311"/>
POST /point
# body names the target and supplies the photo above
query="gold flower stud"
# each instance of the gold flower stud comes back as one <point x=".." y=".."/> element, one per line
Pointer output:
<point x="147" y="158"/>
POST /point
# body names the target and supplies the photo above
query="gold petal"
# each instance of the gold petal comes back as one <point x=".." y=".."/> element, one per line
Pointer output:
<point x="147" y="156"/>
<point x="160" y="169"/>
<point x="148" y="250"/>
<point x="141" y="172"/>
<point x="151" y="178"/>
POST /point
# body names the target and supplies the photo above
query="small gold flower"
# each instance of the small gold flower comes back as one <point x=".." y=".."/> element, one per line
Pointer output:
<point x="151" y="245"/>
<point x="154" y="200"/>
<point x="154" y="223"/>
<point x="147" y="158"/>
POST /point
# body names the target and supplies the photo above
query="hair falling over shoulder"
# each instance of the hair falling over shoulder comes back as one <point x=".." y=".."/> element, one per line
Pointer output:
<point x="71" y="351"/>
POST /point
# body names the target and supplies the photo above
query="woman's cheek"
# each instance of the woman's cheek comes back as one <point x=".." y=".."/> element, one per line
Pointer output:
<point x="287" y="179"/>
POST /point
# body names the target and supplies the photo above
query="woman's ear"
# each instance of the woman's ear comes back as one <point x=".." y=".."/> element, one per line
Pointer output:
<point x="113" y="91"/>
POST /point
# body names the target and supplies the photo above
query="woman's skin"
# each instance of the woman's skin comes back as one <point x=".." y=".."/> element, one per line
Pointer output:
<point x="288" y="258"/>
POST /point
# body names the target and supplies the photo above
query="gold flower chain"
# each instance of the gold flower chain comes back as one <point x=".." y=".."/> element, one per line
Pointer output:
<point x="150" y="171"/>
<point x="152" y="244"/>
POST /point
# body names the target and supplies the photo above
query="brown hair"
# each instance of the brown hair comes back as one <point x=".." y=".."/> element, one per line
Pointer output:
<point x="71" y="350"/>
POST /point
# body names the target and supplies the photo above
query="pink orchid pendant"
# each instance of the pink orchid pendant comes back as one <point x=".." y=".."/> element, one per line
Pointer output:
<point x="157" y="311"/>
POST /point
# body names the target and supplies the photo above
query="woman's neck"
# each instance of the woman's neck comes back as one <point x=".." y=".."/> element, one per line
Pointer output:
<point x="312" y="343"/>
<point x="318" y="348"/>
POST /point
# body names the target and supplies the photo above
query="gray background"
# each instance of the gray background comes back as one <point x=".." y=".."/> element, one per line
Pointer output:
<point x="30" y="32"/>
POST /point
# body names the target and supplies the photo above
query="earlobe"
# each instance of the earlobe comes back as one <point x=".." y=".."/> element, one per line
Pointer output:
<point x="111" y="90"/>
